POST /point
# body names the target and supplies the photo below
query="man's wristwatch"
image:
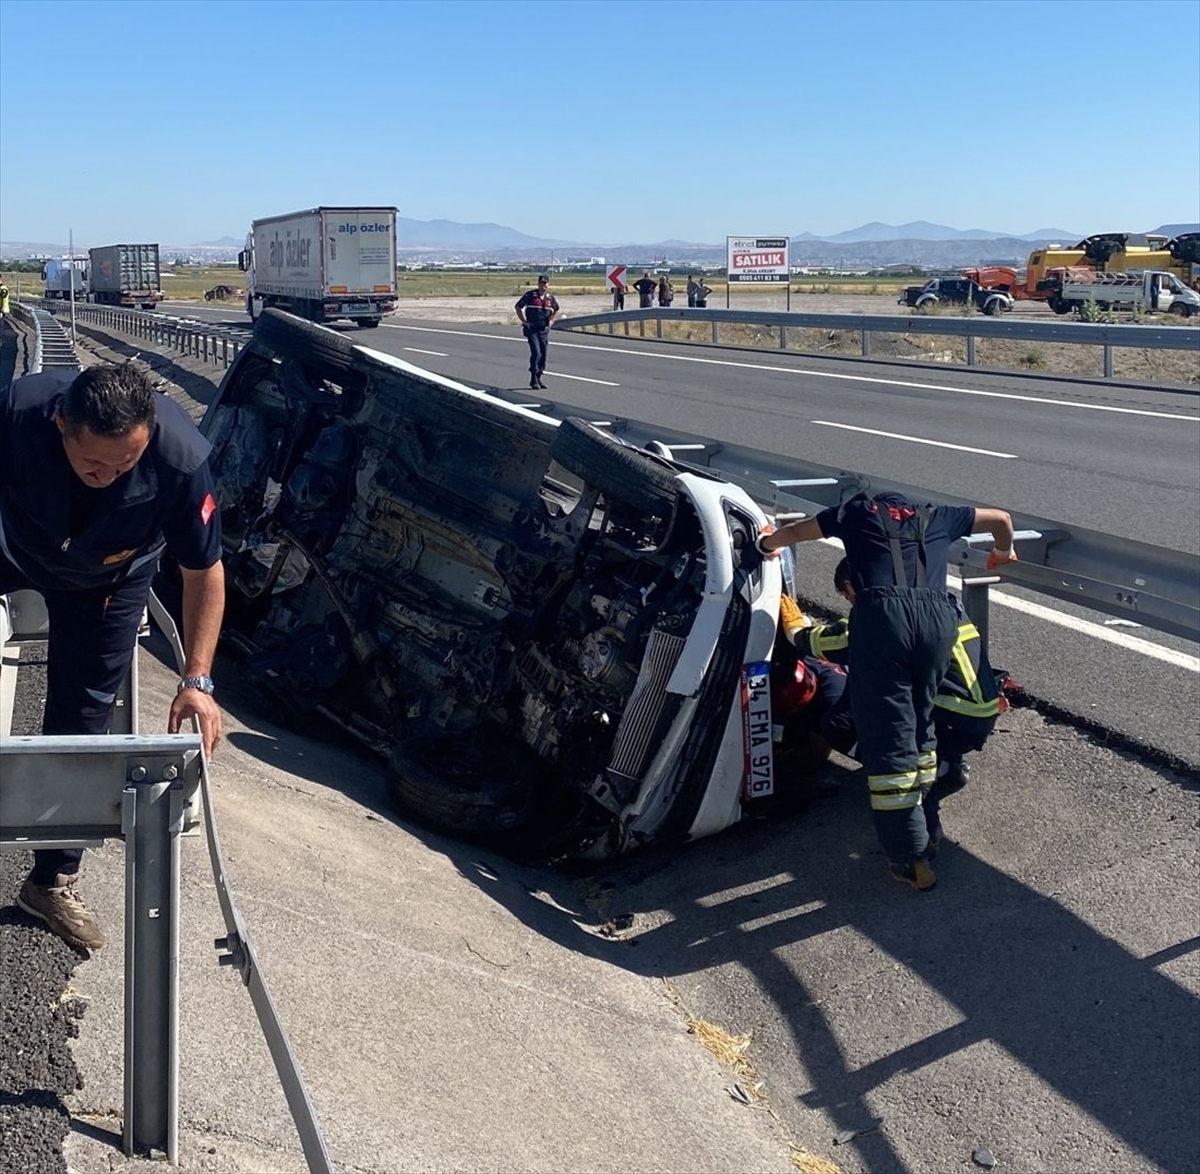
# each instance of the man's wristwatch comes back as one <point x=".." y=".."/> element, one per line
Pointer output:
<point x="204" y="684"/>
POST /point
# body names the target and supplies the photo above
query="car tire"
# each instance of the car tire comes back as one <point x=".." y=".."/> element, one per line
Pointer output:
<point x="483" y="789"/>
<point x="1060" y="305"/>
<point x="289" y="334"/>
<point x="622" y="474"/>
<point x="1181" y="309"/>
<point x="369" y="323"/>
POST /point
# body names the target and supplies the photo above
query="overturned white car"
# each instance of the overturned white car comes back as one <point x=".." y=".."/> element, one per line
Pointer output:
<point x="560" y="642"/>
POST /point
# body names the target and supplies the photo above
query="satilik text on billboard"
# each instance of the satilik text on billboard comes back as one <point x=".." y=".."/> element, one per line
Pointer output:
<point x="751" y="259"/>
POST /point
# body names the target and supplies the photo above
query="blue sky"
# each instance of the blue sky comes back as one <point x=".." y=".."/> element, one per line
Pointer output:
<point x="598" y="122"/>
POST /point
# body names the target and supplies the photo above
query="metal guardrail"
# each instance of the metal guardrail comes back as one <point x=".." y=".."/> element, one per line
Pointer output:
<point x="1150" y="585"/>
<point x="208" y="341"/>
<point x="240" y="952"/>
<point x="74" y="792"/>
<point x="52" y="348"/>
<point x="77" y="791"/>
<point x="972" y="326"/>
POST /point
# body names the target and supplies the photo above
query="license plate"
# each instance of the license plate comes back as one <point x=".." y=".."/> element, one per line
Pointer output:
<point x="758" y="780"/>
<point x="358" y="307"/>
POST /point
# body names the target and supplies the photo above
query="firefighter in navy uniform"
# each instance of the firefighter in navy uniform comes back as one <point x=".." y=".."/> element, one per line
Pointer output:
<point x="905" y="626"/>
<point x="537" y="309"/>
<point x="965" y="707"/>
<point x="99" y="474"/>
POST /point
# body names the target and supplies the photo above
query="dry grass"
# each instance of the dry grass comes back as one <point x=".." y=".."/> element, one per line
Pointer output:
<point x="808" y="1163"/>
<point x="730" y="1050"/>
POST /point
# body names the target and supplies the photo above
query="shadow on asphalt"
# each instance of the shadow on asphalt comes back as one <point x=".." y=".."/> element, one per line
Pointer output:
<point x="1098" y="1025"/>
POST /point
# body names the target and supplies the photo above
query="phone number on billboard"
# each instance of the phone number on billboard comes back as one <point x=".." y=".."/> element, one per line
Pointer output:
<point x="775" y="277"/>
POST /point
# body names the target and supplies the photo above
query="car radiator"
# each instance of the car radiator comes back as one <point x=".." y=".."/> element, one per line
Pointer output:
<point x="637" y="735"/>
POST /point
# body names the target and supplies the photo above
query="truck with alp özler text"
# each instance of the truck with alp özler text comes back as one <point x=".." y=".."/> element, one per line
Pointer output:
<point x="323" y="264"/>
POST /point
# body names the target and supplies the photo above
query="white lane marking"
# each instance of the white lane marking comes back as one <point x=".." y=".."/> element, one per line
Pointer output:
<point x="416" y="350"/>
<point x="583" y="379"/>
<point x="1032" y="399"/>
<point x="987" y="452"/>
<point x="1181" y="660"/>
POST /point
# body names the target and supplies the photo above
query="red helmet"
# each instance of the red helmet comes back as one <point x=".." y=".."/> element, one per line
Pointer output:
<point x="799" y="691"/>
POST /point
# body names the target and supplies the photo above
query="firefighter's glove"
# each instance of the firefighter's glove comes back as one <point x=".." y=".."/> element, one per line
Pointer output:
<point x="791" y="618"/>
<point x="998" y="558"/>
<point x="758" y="543"/>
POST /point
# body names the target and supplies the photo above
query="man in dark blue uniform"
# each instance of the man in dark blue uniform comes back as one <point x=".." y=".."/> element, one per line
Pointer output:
<point x="905" y="627"/>
<point x="99" y="474"/>
<point x="537" y="309"/>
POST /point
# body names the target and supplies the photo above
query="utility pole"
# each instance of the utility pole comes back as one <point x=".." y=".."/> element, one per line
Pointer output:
<point x="71" y="263"/>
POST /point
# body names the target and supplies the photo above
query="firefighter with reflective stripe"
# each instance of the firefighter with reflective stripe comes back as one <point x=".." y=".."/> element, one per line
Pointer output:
<point x="965" y="707"/>
<point x="905" y="627"/>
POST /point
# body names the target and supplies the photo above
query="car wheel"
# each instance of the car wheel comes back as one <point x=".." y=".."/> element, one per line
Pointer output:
<point x="927" y="306"/>
<point x="369" y="323"/>
<point x="1182" y="309"/>
<point x="294" y="337"/>
<point x="1061" y="305"/>
<point x="621" y="473"/>
<point x="483" y="788"/>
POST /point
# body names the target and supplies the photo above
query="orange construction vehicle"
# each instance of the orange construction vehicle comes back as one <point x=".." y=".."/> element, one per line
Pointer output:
<point x="1108" y="252"/>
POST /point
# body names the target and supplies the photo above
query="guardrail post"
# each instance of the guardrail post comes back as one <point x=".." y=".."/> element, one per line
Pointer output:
<point x="1108" y="361"/>
<point x="716" y="333"/>
<point x="975" y="604"/>
<point x="658" y="328"/>
<point x="153" y="815"/>
<point x="866" y="343"/>
<point x="782" y="337"/>
<point x="641" y="327"/>
<point x="970" y="350"/>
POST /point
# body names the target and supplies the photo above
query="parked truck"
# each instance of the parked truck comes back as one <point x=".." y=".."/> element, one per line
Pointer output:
<point x="125" y="275"/>
<point x="323" y="264"/>
<point x="57" y="274"/>
<point x="1151" y="290"/>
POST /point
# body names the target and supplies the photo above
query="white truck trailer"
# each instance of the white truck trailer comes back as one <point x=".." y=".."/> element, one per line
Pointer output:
<point x="323" y="264"/>
<point x="58" y="278"/>
<point x="1151" y="290"/>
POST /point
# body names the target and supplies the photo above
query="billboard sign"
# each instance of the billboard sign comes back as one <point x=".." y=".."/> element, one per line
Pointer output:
<point x="757" y="259"/>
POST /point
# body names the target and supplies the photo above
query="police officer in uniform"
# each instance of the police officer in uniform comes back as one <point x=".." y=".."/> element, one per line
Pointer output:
<point x="537" y="309"/>
<point x="905" y="628"/>
<point x="99" y="474"/>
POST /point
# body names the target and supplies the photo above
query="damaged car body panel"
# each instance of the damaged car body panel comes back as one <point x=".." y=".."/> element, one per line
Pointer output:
<point x="545" y="630"/>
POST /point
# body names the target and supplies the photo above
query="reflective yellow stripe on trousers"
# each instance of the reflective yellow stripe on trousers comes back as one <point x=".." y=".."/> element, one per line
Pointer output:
<point x="894" y="792"/>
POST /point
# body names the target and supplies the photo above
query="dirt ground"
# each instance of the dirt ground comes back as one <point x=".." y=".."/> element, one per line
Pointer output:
<point x="1178" y="368"/>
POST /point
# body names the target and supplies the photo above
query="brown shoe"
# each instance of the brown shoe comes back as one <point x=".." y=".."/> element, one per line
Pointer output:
<point x="917" y="875"/>
<point x="59" y="906"/>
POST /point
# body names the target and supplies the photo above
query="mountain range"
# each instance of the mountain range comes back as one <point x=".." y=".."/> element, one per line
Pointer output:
<point x="872" y="245"/>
